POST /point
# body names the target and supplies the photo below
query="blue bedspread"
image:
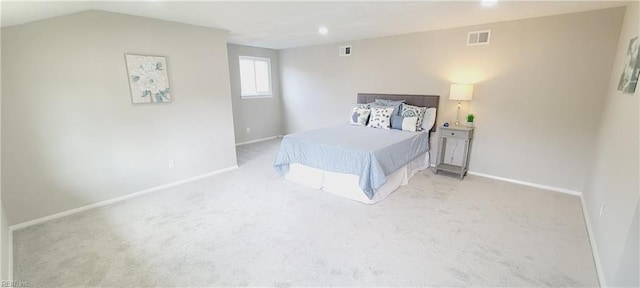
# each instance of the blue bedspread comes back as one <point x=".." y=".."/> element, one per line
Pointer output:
<point x="367" y="152"/>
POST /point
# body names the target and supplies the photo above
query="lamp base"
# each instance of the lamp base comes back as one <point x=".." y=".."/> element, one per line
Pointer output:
<point x="458" y="114"/>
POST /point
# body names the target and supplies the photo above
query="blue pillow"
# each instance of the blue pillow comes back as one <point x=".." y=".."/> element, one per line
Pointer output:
<point x="396" y="105"/>
<point x="396" y="122"/>
<point x="387" y="102"/>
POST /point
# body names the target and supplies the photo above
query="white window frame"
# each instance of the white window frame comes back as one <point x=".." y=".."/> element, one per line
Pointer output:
<point x="268" y="94"/>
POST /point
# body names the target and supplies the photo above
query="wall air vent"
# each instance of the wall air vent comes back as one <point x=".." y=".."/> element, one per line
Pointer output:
<point x="345" y="50"/>
<point x="479" y="37"/>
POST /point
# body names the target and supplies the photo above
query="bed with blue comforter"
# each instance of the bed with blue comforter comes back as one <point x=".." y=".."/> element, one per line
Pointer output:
<point x="372" y="154"/>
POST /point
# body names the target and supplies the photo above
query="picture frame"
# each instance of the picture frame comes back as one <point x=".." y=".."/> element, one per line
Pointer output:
<point x="629" y="77"/>
<point x="148" y="78"/>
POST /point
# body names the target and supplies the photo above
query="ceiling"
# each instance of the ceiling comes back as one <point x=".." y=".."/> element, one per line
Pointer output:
<point x="281" y="25"/>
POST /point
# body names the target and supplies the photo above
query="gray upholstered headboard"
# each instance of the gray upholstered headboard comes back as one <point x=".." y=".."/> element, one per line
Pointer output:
<point x="416" y="100"/>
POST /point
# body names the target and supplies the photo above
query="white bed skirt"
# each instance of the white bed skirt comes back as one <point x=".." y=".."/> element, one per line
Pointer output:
<point x="346" y="185"/>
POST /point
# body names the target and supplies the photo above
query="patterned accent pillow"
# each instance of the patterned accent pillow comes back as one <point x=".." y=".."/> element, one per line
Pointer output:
<point x="414" y="111"/>
<point x="404" y="123"/>
<point x="365" y="106"/>
<point x="359" y="116"/>
<point x="380" y="117"/>
<point x="395" y="104"/>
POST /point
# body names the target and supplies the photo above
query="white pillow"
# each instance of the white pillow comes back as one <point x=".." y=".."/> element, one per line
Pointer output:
<point x="410" y="124"/>
<point x="359" y="116"/>
<point x="429" y="119"/>
<point x="414" y="111"/>
<point x="380" y="117"/>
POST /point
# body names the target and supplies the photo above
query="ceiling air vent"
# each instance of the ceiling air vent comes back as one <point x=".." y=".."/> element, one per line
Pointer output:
<point x="478" y="37"/>
<point x="345" y="50"/>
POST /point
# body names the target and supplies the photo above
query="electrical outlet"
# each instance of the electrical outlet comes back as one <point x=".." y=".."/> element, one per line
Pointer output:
<point x="172" y="164"/>
<point x="601" y="209"/>
<point x="248" y="130"/>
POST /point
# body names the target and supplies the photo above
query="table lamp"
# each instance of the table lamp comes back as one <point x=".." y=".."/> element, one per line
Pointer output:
<point x="460" y="92"/>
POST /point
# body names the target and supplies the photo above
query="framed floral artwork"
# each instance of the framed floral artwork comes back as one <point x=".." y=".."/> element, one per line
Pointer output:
<point x="631" y="70"/>
<point x="148" y="80"/>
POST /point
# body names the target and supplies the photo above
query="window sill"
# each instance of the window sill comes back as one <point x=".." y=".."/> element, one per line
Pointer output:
<point x="256" y="96"/>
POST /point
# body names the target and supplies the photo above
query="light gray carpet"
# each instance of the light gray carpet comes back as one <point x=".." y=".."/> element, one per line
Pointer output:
<point x="251" y="227"/>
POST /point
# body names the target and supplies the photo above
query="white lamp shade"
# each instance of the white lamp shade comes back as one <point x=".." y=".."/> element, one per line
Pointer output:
<point x="461" y="92"/>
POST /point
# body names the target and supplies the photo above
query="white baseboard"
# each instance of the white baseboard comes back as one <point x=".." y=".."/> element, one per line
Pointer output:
<point x="592" y="241"/>
<point x="545" y="187"/>
<point x="114" y="200"/>
<point x="587" y="221"/>
<point x="258" y="140"/>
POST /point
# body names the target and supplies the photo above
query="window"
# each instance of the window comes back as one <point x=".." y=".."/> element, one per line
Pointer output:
<point x="255" y="77"/>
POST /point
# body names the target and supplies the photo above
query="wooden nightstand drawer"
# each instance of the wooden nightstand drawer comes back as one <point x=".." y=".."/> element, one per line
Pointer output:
<point x="450" y="133"/>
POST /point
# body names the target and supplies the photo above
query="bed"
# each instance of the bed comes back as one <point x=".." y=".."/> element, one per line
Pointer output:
<point x="359" y="163"/>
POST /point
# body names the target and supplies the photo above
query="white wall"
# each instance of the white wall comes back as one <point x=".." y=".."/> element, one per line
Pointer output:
<point x="261" y="115"/>
<point x="70" y="135"/>
<point x="5" y="246"/>
<point x="538" y="93"/>
<point x="615" y="174"/>
<point x="4" y="223"/>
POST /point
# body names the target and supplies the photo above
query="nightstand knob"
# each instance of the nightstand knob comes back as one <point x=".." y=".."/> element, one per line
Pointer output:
<point x="452" y="133"/>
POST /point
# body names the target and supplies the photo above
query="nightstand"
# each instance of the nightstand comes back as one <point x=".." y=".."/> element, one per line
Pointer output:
<point x="455" y="133"/>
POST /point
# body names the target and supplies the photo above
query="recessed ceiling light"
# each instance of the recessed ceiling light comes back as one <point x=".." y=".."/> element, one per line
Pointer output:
<point x="323" y="30"/>
<point x="487" y="3"/>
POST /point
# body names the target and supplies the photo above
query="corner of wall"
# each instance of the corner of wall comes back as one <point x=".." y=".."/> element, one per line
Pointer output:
<point x="611" y="197"/>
